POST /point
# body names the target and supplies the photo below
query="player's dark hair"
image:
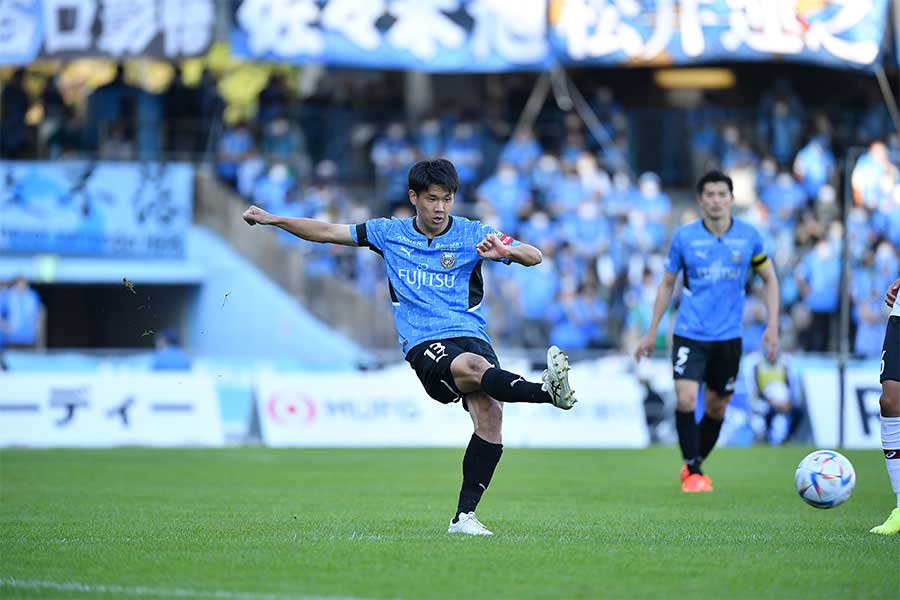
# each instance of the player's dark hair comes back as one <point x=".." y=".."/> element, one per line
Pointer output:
<point x="714" y="177"/>
<point x="427" y="173"/>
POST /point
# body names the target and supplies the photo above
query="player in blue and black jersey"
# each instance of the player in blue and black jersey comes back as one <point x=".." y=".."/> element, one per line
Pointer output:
<point x="715" y="253"/>
<point x="434" y="272"/>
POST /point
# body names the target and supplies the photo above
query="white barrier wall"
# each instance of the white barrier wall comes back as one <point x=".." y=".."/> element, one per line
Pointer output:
<point x="822" y="388"/>
<point x="95" y="409"/>
<point x="862" y="390"/>
<point x="390" y="408"/>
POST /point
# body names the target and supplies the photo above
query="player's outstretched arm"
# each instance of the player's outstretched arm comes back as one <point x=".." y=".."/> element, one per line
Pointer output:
<point x="772" y="300"/>
<point x="524" y="254"/>
<point x="310" y="230"/>
<point x="663" y="297"/>
<point x="891" y="296"/>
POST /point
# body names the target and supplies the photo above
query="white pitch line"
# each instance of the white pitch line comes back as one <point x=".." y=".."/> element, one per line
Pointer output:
<point x="120" y="590"/>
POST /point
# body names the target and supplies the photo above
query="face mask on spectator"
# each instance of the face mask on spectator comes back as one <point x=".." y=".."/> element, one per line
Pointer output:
<point x="431" y="127"/>
<point x="507" y="174"/>
<point x="784" y="180"/>
<point x="548" y="163"/>
<point x="649" y="187"/>
<point x="731" y="135"/>
<point x="278" y="173"/>
<point x="463" y="131"/>
<point x="884" y="253"/>
<point x="621" y="181"/>
<point x="585" y="165"/>
<point x="587" y="211"/>
<point x="539" y="220"/>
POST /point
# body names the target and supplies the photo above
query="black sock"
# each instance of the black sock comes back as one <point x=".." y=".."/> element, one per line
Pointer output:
<point x="478" y="467"/>
<point x="509" y="387"/>
<point x="709" y="434"/>
<point x="688" y="439"/>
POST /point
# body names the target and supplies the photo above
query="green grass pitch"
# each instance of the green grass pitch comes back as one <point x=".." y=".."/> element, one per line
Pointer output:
<point x="250" y="523"/>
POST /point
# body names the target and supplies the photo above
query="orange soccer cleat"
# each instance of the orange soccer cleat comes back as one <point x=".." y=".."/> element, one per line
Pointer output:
<point x="685" y="473"/>
<point x="696" y="483"/>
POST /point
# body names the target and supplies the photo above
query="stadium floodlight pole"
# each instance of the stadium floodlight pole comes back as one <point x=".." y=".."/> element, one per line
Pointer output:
<point x="844" y="324"/>
<point x="587" y="114"/>
<point x="534" y="104"/>
<point x="888" y="96"/>
<point x="561" y="94"/>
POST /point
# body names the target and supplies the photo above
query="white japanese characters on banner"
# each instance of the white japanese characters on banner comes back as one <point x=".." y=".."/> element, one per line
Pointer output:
<point x="31" y="29"/>
<point x="679" y="31"/>
<point x="433" y="35"/>
<point x="95" y="209"/>
<point x="88" y="409"/>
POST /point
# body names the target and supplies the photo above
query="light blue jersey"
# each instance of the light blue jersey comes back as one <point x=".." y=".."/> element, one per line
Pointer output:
<point x="715" y="274"/>
<point x="436" y="286"/>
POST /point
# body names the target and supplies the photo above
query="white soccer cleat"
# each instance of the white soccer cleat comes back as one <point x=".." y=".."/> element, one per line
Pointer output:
<point x="556" y="379"/>
<point x="469" y="525"/>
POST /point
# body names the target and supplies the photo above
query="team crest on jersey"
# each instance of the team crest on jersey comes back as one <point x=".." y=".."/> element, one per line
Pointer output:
<point x="448" y="259"/>
<point x="736" y="256"/>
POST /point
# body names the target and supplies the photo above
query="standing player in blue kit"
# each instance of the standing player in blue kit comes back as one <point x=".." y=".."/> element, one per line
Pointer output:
<point x="715" y="252"/>
<point x="434" y="264"/>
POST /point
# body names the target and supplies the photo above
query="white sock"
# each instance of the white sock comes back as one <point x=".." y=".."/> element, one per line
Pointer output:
<point x="890" y="441"/>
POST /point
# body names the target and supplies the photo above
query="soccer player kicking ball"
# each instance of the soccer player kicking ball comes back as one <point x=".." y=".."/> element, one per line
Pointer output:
<point x="890" y="406"/>
<point x="434" y="272"/>
<point x="715" y="253"/>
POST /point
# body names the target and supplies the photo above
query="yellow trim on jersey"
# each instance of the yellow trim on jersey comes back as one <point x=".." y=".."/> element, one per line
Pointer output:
<point x="759" y="260"/>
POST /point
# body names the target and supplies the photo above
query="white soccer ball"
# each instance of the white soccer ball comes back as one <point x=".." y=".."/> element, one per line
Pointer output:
<point x="825" y="479"/>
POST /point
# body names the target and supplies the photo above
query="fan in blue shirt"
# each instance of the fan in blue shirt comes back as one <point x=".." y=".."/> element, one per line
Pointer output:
<point x="715" y="253"/>
<point x="433" y="263"/>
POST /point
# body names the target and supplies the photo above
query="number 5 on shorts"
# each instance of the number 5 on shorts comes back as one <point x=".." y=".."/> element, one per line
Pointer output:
<point x="681" y="359"/>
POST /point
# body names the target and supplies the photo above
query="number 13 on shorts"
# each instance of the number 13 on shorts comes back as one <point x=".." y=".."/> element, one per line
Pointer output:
<point x="436" y="351"/>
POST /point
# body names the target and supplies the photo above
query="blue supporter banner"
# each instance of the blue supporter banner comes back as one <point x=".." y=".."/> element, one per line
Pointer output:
<point x="81" y="208"/>
<point x="118" y="29"/>
<point x="500" y="35"/>
<point x="632" y="32"/>
<point x="427" y="35"/>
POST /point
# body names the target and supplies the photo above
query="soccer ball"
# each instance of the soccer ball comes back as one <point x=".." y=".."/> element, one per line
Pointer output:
<point x="825" y="479"/>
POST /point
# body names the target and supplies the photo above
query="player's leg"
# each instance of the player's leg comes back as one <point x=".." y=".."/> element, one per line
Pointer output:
<point x="688" y="365"/>
<point x="472" y="372"/>
<point x="890" y="418"/>
<point x="481" y="458"/>
<point x="711" y="423"/>
<point x="721" y="373"/>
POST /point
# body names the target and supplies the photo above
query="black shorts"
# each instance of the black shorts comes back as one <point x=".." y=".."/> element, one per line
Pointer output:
<point x="890" y="352"/>
<point x="714" y="363"/>
<point x="431" y="362"/>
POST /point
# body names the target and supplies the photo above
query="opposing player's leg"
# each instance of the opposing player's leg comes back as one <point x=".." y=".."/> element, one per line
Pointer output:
<point x="890" y="418"/>
<point x="689" y="360"/>
<point x="472" y="372"/>
<point x="481" y="458"/>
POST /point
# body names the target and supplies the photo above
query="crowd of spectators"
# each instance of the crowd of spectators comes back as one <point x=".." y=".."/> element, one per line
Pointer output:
<point x="116" y="121"/>
<point x="603" y="228"/>
<point x="342" y="154"/>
